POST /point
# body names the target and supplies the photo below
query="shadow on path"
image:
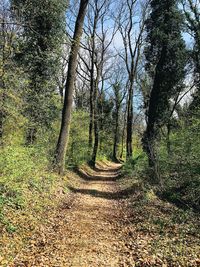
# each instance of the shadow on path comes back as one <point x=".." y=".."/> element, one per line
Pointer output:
<point x="98" y="177"/>
<point x="101" y="168"/>
<point x="106" y="194"/>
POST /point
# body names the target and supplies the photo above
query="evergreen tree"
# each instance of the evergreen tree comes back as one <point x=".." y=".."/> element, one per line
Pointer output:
<point x="166" y="57"/>
<point x="12" y="78"/>
<point x="192" y="13"/>
<point x="43" y="28"/>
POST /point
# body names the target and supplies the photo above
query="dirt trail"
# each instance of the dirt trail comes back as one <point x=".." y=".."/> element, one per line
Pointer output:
<point x="86" y="232"/>
<point x="103" y="223"/>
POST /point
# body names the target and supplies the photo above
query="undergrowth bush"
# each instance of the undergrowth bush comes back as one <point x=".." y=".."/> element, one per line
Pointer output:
<point x="26" y="182"/>
<point x="136" y="166"/>
<point x="179" y="168"/>
<point x="77" y="152"/>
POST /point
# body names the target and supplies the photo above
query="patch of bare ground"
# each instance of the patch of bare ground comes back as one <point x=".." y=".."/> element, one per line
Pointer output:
<point x="104" y="223"/>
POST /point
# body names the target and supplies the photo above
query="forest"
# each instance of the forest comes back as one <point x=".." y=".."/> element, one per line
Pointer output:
<point x="99" y="133"/>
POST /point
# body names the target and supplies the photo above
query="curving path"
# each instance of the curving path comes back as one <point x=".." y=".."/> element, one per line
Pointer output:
<point x="86" y="231"/>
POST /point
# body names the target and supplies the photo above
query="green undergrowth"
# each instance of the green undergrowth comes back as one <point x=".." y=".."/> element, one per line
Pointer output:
<point x="180" y="166"/>
<point x="135" y="166"/>
<point x="163" y="234"/>
<point x="28" y="189"/>
<point x="179" y="173"/>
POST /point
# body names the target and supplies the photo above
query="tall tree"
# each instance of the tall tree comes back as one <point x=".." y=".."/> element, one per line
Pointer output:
<point x="192" y="13"/>
<point x="119" y="84"/>
<point x="97" y="45"/>
<point x="59" y="162"/>
<point x="4" y="56"/>
<point x="43" y="29"/>
<point x="11" y="77"/>
<point x="165" y="56"/>
<point x="131" y="28"/>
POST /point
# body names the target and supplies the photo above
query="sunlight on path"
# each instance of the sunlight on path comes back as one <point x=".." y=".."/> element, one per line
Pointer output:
<point x="86" y="233"/>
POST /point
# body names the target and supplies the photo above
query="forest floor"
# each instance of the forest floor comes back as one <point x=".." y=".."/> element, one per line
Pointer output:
<point x="106" y="221"/>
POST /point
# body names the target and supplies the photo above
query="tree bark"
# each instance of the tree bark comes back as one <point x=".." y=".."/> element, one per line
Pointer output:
<point x="168" y="139"/>
<point x="96" y="142"/>
<point x="116" y="136"/>
<point x="154" y="111"/>
<point x="59" y="161"/>
<point x="92" y="81"/>
<point x="96" y="128"/>
<point x="129" y="149"/>
<point x="91" y="109"/>
<point x="2" y="83"/>
<point x="131" y="58"/>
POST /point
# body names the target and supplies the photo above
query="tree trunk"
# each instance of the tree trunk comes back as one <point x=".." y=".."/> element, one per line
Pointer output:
<point x="31" y="136"/>
<point x="92" y="83"/>
<point x="154" y="111"/>
<point x="96" y="122"/>
<point x="123" y="134"/>
<point x="59" y="161"/>
<point x="116" y="136"/>
<point x="96" y="141"/>
<point x="91" y="110"/>
<point x="96" y="130"/>
<point x="2" y="113"/>
<point x="149" y="147"/>
<point x="168" y="139"/>
<point x="129" y="149"/>
<point x="2" y="84"/>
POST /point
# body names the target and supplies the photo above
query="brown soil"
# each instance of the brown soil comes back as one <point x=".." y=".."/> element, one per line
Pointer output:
<point x="103" y="224"/>
<point x="85" y="232"/>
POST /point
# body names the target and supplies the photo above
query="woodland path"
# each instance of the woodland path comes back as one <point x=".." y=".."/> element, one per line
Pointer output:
<point x="87" y="231"/>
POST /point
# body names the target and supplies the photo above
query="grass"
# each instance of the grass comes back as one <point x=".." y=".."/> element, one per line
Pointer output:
<point x="28" y="191"/>
<point x="164" y="234"/>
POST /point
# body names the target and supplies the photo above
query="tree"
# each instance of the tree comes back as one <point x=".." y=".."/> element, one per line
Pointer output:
<point x="166" y="59"/>
<point x="118" y="98"/>
<point x="119" y="84"/>
<point x="11" y="77"/>
<point x="5" y="37"/>
<point x="43" y="24"/>
<point x="59" y="161"/>
<point x="192" y="14"/>
<point x="131" y="28"/>
<point x="95" y="12"/>
<point x="98" y="39"/>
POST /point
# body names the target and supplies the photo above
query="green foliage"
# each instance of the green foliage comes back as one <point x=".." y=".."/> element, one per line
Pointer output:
<point x="26" y="183"/>
<point x="20" y="162"/>
<point x="14" y="122"/>
<point x="78" y="144"/>
<point x="78" y="150"/>
<point x="165" y="59"/>
<point x="106" y="121"/>
<point x="106" y="144"/>
<point x="136" y="166"/>
<point x="164" y="36"/>
<point x="40" y="55"/>
<point x="181" y="168"/>
<point x="165" y="63"/>
<point x="19" y="169"/>
<point x="24" y="166"/>
<point x="10" y="228"/>
<point x="192" y="15"/>
<point x="171" y="234"/>
<point x="13" y="80"/>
